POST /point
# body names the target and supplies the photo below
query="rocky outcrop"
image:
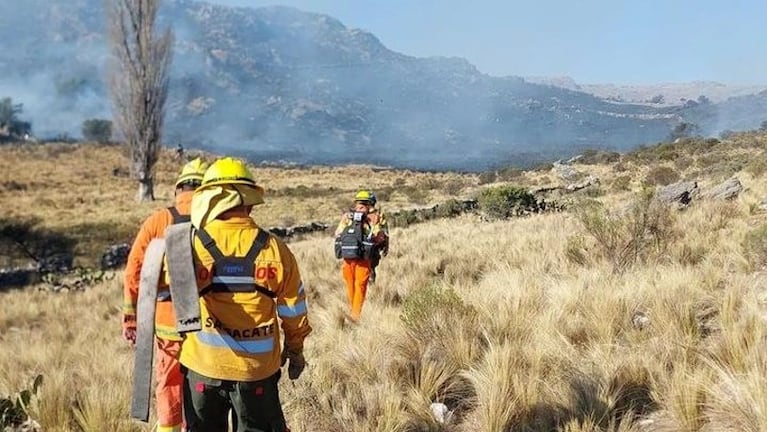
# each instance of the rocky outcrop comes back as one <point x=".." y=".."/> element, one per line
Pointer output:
<point x="681" y="193"/>
<point x="289" y="232"/>
<point x="728" y="190"/>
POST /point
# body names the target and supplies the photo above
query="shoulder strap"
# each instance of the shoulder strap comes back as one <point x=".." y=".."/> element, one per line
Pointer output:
<point x="261" y="239"/>
<point x="177" y="217"/>
<point x="209" y="244"/>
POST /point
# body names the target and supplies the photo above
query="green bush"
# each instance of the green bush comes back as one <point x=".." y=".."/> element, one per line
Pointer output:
<point x="14" y="409"/>
<point x="98" y="130"/>
<point x="506" y="201"/>
<point x="449" y="208"/>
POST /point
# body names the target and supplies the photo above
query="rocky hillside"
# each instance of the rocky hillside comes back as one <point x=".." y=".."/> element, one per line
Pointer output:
<point x="280" y="84"/>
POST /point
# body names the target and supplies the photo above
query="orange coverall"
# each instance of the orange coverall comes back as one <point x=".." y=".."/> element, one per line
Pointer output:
<point x="168" y="391"/>
<point x="356" y="272"/>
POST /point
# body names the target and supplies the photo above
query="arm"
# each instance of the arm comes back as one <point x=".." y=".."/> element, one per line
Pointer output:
<point x="291" y="303"/>
<point x="148" y="231"/>
<point x="342" y="224"/>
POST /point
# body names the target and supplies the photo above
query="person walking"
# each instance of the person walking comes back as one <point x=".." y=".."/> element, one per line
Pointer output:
<point x="248" y="283"/>
<point x="361" y="237"/>
<point x="168" y="376"/>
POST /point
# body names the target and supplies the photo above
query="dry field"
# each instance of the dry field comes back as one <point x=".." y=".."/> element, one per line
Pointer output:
<point x="530" y="324"/>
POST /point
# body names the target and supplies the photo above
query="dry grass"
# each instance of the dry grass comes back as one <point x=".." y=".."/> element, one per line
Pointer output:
<point x="494" y="319"/>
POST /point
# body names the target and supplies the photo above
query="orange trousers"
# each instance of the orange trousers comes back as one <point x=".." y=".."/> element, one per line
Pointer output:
<point x="169" y="388"/>
<point x="356" y="274"/>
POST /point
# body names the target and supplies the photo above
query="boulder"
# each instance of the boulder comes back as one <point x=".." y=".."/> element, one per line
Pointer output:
<point x="58" y="263"/>
<point x="681" y="192"/>
<point x="728" y="190"/>
<point x="115" y="256"/>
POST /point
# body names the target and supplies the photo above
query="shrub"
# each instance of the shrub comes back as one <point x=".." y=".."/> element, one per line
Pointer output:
<point x="505" y="201"/>
<point x="98" y="130"/>
<point x="642" y="232"/>
<point x="662" y="176"/>
<point x="14" y="409"/>
<point x="449" y="208"/>
<point x="402" y="218"/>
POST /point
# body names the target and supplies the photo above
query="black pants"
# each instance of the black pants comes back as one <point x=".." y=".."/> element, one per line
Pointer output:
<point x="256" y="404"/>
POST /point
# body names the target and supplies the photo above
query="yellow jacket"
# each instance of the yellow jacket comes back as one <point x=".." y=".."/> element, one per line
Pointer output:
<point x="240" y="339"/>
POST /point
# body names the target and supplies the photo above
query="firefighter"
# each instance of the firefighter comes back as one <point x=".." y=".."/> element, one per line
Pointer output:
<point x="249" y="286"/>
<point x="168" y="342"/>
<point x="362" y="236"/>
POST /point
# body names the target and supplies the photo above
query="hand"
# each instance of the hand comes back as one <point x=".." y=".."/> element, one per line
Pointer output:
<point x="129" y="334"/>
<point x="297" y="363"/>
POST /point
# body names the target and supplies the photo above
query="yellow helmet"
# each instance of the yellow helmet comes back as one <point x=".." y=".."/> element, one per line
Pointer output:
<point x="228" y="171"/>
<point x="366" y="195"/>
<point x="192" y="173"/>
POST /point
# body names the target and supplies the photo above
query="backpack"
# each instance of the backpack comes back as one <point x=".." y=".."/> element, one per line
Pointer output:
<point x="352" y="242"/>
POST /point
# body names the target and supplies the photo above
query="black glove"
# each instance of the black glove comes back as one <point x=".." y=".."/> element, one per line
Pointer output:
<point x="297" y="362"/>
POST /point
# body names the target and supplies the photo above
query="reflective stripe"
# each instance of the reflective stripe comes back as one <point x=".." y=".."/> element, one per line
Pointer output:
<point x="292" y="311"/>
<point x="176" y="428"/>
<point x="301" y="289"/>
<point x="234" y="279"/>
<point x="225" y="341"/>
<point x="349" y="247"/>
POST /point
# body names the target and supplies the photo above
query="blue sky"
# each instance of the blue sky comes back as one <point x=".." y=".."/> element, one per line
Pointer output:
<point x="593" y="41"/>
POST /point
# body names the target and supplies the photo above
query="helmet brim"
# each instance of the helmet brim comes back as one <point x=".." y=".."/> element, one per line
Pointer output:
<point x="232" y="182"/>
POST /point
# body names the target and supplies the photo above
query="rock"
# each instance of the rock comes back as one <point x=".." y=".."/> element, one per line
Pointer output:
<point x="728" y="190"/>
<point x="583" y="184"/>
<point x="441" y="412"/>
<point x="681" y="192"/>
<point x="640" y="320"/>
<point x="58" y="263"/>
<point x="565" y="172"/>
<point x="115" y="256"/>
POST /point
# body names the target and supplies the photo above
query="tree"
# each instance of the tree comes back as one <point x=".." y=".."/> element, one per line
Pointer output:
<point x="684" y="130"/>
<point x="138" y="83"/>
<point x="98" y="130"/>
<point x="657" y="99"/>
<point x="9" y="112"/>
<point x="763" y="126"/>
<point x="9" y="118"/>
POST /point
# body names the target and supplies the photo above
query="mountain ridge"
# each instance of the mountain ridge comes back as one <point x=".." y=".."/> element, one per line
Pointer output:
<point x="279" y="83"/>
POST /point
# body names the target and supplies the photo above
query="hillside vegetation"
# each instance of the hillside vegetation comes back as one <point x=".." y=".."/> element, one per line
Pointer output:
<point x="525" y="324"/>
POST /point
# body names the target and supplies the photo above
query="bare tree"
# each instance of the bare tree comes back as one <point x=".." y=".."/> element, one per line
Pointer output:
<point x="138" y="83"/>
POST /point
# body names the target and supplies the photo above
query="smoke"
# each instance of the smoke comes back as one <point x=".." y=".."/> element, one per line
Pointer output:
<point x="279" y="84"/>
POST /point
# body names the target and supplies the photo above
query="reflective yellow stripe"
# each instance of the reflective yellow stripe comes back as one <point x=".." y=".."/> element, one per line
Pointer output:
<point x="167" y="333"/>
<point x="174" y="428"/>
